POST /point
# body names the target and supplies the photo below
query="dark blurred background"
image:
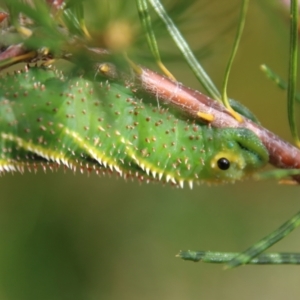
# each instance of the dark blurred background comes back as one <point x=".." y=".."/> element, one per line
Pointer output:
<point x="66" y="236"/>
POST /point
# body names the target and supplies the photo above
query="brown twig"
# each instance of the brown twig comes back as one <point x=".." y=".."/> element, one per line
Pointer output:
<point x="282" y="154"/>
<point x="12" y="52"/>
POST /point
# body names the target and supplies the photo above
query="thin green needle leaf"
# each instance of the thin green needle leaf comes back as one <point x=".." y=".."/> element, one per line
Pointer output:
<point x="146" y="23"/>
<point x="185" y="50"/>
<point x="225" y="257"/>
<point x="80" y="15"/>
<point x="277" y="174"/>
<point x="274" y="77"/>
<point x="266" y="242"/>
<point x="232" y="56"/>
<point x="277" y="79"/>
<point x="293" y="70"/>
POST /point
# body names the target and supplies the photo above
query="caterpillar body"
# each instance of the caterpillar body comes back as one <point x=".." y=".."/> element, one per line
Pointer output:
<point x="98" y="124"/>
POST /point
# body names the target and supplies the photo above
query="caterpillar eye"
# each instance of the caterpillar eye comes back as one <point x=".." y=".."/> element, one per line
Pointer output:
<point x="223" y="163"/>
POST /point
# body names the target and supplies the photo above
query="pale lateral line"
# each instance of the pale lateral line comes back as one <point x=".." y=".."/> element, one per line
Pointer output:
<point x="49" y="155"/>
<point x="7" y="166"/>
<point x="99" y="156"/>
<point x="147" y="167"/>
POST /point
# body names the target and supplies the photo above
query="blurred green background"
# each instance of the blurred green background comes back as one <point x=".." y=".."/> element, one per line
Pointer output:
<point x="66" y="236"/>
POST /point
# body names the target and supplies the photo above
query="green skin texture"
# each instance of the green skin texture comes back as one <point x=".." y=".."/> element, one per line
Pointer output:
<point x="94" y="124"/>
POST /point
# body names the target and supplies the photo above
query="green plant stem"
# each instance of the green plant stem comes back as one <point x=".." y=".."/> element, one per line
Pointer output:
<point x="239" y="32"/>
<point x="185" y="50"/>
<point x="266" y="242"/>
<point x="225" y="257"/>
<point x="293" y="70"/>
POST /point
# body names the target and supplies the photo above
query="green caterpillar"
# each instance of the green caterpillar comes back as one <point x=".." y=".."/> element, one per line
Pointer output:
<point x="47" y="119"/>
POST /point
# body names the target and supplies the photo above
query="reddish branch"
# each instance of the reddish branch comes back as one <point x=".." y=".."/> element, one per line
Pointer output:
<point x="282" y="154"/>
<point x="12" y="51"/>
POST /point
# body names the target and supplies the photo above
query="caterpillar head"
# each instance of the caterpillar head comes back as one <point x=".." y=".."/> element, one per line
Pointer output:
<point x="240" y="153"/>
